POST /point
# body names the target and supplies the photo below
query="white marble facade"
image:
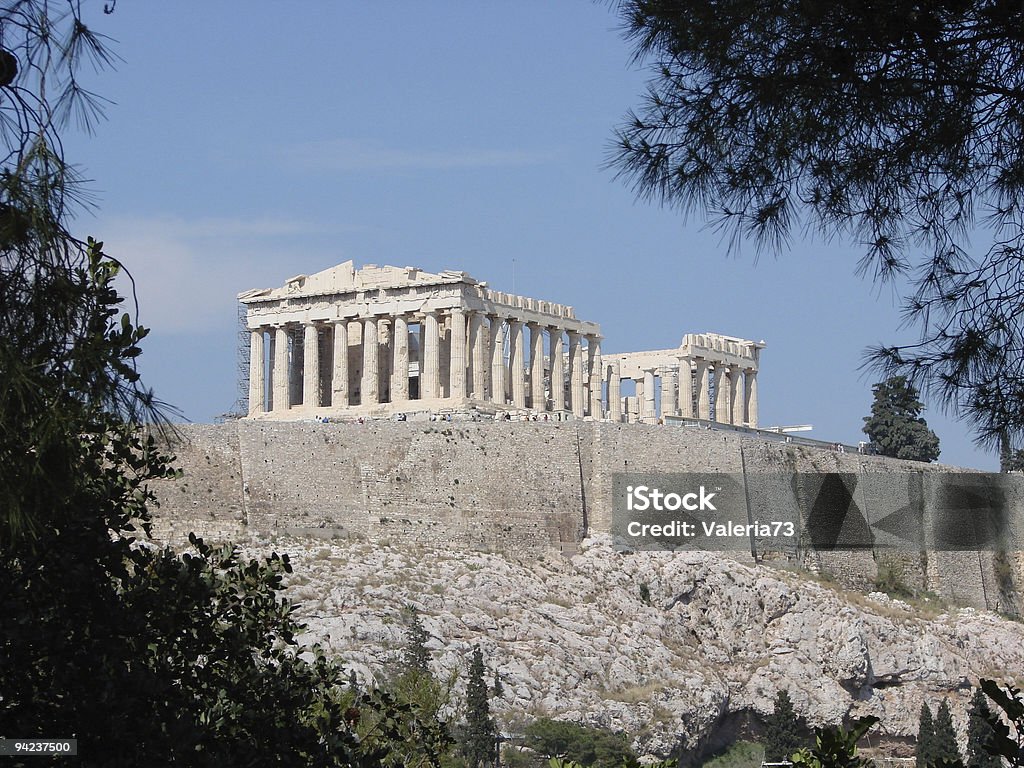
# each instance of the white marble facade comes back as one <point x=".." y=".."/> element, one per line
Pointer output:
<point x="377" y="341"/>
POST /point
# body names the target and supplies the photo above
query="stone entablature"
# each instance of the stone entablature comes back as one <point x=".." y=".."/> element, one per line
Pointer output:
<point x="381" y="340"/>
<point x="345" y="292"/>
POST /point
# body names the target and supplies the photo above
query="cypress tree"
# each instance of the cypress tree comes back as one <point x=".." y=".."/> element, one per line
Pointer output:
<point x="782" y="730"/>
<point x="945" y="735"/>
<point x="417" y="657"/>
<point x="480" y="742"/>
<point x="978" y="733"/>
<point x="925" y="738"/>
<point x="896" y="427"/>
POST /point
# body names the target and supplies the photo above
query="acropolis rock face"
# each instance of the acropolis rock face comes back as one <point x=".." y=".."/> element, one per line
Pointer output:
<point x="379" y="341"/>
<point x="693" y="661"/>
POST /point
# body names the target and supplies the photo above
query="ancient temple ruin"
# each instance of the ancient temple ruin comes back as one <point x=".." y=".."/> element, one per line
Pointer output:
<point x="387" y="341"/>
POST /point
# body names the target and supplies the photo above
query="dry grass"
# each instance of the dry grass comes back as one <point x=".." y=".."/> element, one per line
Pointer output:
<point x="635" y="694"/>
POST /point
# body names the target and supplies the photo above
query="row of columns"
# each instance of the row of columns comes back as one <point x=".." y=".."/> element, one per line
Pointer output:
<point x="686" y="390"/>
<point x="479" y="369"/>
<point x="477" y="365"/>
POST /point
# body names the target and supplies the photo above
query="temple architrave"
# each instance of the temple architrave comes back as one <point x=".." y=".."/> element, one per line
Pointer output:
<point x="382" y="341"/>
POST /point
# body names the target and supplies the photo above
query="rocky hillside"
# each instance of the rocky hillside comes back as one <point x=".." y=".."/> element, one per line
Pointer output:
<point x="676" y="648"/>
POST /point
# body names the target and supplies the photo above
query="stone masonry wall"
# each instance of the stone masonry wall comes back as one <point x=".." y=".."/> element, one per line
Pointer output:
<point x="519" y="487"/>
<point x="208" y="498"/>
<point x="511" y="486"/>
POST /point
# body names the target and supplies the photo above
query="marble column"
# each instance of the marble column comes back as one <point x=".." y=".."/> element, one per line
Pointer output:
<point x="444" y="355"/>
<point x="735" y="399"/>
<point x="721" y="394"/>
<point x="516" y="367"/>
<point x="647" y="407"/>
<point x="370" y="389"/>
<point x="257" y="384"/>
<point x="311" y="367"/>
<point x="421" y="359"/>
<point x="280" y="375"/>
<point x="537" y="399"/>
<point x="295" y="354"/>
<point x="685" y="388"/>
<point x="458" y="362"/>
<point x="594" y="368"/>
<point x="431" y="369"/>
<point x="557" y="369"/>
<point x="385" y="356"/>
<point x="339" y="374"/>
<point x="669" y="398"/>
<point x="478" y="355"/>
<point x="498" y="362"/>
<point x="633" y="406"/>
<point x="576" y="403"/>
<point x="615" y="392"/>
<point x="355" y="372"/>
<point x="400" y="364"/>
<point x="703" y="392"/>
<point x="750" y="397"/>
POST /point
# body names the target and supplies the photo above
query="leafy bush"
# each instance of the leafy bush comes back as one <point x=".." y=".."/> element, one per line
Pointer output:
<point x="588" y="746"/>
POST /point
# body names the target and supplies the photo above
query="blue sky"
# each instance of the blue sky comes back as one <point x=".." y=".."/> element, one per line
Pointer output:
<point x="247" y="143"/>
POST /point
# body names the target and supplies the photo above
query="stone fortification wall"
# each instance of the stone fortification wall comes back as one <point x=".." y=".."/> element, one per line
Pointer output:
<point x="520" y="487"/>
<point x="208" y="498"/>
<point x="503" y="485"/>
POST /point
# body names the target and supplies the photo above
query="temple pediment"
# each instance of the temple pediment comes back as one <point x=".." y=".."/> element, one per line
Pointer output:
<point x="345" y="278"/>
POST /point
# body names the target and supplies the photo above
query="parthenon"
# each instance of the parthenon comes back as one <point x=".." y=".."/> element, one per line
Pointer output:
<point x="382" y="341"/>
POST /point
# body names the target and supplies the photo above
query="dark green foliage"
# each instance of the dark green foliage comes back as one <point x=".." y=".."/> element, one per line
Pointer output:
<point x="783" y="730"/>
<point x="399" y="726"/>
<point x="895" y="125"/>
<point x="645" y="593"/>
<point x="423" y="733"/>
<point x="480" y="738"/>
<point x="497" y="690"/>
<point x="739" y="754"/>
<point x="945" y="746"/>
<point x="1004" y="742"/>
<point x="836" y="747"/>
<point x="416" y="657"/>
<point x="194" y="655"/>
<point x="979" y="733"/>
<point x="579" y="743"/>
<point x="895" y="426"/>
<point x="926" y="752"/>
<point x="889" y="578"/>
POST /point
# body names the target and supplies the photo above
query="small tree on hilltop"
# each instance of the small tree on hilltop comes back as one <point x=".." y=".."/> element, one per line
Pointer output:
<point x="895" y="426"/>
<point x="925" y="738"/>
<point x="782" y="730"/>
<point x="979" y="733"/>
